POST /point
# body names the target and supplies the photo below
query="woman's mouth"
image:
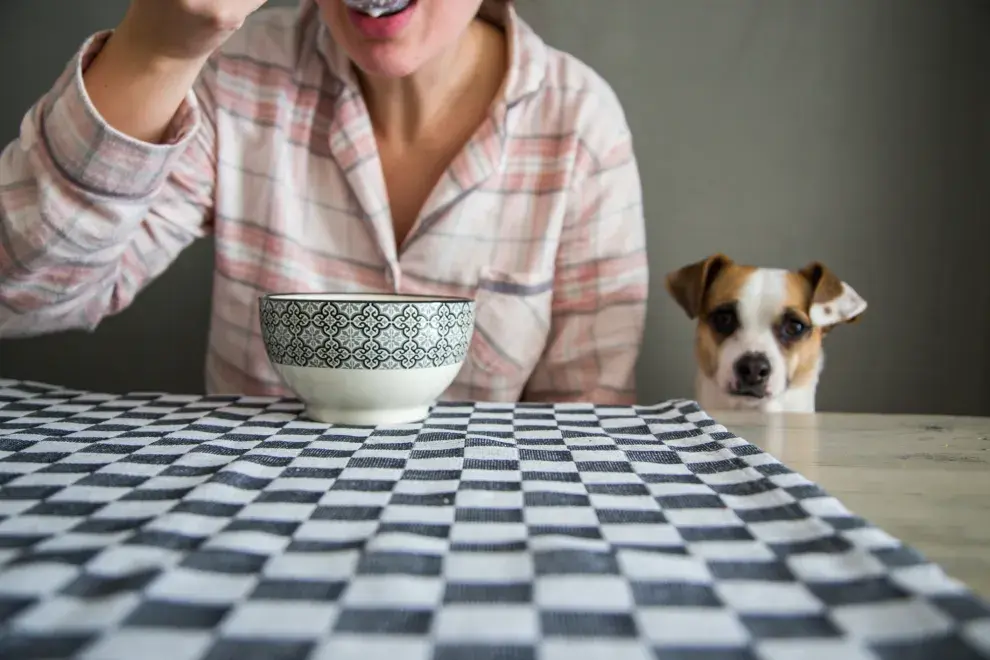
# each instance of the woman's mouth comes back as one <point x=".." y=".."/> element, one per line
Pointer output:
<point x="380" y="20"/>
<point x="378" y="8"/>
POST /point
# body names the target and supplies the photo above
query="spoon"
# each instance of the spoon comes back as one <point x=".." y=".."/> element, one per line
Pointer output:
<point x="377" y="8"/>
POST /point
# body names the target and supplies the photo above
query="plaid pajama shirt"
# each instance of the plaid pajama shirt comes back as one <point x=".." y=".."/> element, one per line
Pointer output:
<point x="539" y="218"/>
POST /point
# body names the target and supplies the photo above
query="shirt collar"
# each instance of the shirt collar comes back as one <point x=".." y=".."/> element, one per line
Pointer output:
<point x="527" y="51"/>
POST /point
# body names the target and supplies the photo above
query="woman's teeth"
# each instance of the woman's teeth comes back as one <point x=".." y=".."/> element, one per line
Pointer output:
<point x="377" y="8"/>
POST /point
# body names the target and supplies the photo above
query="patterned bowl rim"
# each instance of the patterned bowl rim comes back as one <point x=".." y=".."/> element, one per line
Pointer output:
<point x="371" y="299"/>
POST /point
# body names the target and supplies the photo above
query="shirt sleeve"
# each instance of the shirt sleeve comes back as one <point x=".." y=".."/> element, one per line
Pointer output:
<point x="88" y="215"/>
<point x="600" y="287"/>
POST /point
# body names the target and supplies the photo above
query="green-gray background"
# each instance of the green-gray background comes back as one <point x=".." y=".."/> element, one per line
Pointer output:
<point x="856" y="132"/>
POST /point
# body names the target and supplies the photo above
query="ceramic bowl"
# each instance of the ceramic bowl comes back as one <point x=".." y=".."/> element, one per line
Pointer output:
<point x="366" y="359"/>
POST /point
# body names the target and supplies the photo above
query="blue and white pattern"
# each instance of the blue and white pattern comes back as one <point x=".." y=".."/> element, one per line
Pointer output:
<point x="158" y="527"/>
<point x="366" y="335"/>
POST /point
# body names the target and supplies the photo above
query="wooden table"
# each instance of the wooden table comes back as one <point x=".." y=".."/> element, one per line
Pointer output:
<point x="926" y="480"/>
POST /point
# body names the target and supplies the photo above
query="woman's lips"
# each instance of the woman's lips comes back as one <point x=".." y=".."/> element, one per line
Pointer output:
<point x="383" y="27"/>
<point x="377" y="8"/>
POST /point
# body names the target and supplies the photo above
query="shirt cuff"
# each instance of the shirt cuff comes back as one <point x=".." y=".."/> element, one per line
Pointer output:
<point x="95" y="156"/>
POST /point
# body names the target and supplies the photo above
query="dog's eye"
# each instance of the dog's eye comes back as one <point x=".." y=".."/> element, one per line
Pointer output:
<point x="724" y="321"/>
<point x="791" y="329"/>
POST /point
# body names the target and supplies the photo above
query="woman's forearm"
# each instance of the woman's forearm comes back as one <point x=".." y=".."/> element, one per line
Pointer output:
<point x="137" y="91"/>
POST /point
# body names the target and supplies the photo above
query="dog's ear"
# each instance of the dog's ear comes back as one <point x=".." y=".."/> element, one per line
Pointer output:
<point x="832" y="300"/>
<point x="689" y="284"/>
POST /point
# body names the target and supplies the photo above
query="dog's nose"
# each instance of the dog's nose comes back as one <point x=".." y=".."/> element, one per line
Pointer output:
<point x="752" y="369"/>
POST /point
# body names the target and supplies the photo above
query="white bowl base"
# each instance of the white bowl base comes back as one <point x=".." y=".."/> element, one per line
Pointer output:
<point x="367" y="397"/>
<point x="374" y="417"/>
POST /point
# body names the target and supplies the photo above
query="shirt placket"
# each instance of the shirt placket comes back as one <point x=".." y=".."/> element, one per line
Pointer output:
<point x="353" y="145"/>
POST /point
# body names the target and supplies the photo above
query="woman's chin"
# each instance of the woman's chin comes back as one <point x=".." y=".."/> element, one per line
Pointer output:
<point x="385" y="61"/>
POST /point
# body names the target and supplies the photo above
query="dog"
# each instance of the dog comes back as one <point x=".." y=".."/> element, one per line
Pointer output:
<point x="758" y="340"/>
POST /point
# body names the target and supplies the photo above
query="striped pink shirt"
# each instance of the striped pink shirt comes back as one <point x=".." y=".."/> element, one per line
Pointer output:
<point x="539" y="218"/>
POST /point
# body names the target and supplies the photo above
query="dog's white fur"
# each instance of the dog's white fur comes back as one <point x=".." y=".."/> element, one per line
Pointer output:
<point x="763" y="296"/>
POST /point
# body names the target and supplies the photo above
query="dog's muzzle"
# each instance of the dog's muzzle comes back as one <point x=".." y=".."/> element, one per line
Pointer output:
<point x="752" y="372"/>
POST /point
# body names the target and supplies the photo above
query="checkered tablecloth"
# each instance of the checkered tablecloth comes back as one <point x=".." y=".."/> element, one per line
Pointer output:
<point x="153" y="526"/>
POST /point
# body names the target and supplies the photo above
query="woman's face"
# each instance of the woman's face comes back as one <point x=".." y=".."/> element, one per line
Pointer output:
<point x="398" y="45"/>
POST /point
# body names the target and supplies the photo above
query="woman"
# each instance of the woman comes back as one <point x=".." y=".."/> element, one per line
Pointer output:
<point x="445" y="149"/>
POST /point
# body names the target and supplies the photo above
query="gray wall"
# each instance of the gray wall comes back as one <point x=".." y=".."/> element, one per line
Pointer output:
<point x="856" y="132"/>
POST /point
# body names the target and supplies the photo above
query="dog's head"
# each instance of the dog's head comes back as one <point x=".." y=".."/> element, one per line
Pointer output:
<point x="760" y="330"/>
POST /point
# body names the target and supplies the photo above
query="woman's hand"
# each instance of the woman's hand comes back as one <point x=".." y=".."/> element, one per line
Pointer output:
<point x="184" y="30"/>
<point x="146" y="68"/>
